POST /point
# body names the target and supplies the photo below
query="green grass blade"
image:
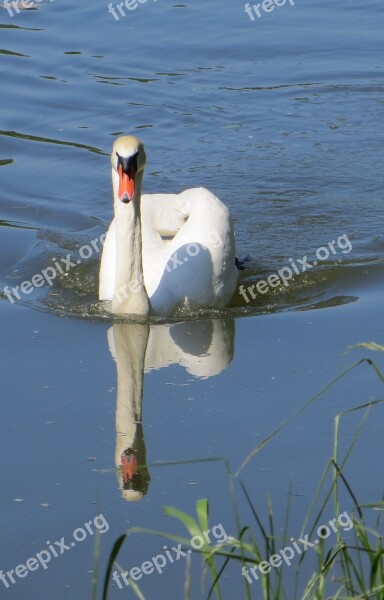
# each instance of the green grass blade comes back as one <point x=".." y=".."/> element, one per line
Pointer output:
<point x="202" y="509"/>
<point x="112" y="557"/>
<point x="132" y="583"/>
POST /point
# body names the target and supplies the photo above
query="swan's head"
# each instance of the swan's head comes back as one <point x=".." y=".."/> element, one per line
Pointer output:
<point x="128" y="160"/>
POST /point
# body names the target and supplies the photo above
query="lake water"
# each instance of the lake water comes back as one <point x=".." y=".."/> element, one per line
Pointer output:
<point x="280" y="116"/>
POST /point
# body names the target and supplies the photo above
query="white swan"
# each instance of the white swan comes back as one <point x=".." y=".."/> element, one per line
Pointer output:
<point x="163" y="251"/>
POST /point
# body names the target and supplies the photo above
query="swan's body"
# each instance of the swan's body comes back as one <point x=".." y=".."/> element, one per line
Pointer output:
<point x="164" y="250"/>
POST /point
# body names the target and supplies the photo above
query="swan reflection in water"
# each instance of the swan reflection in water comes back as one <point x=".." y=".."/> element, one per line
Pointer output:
<point x="204" y="348"/>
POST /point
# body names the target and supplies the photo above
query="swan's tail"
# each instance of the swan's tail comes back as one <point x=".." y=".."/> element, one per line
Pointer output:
<point x="242" y="262"/>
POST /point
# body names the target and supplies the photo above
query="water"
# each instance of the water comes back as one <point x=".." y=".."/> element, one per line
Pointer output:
<point x="282" y="118"/>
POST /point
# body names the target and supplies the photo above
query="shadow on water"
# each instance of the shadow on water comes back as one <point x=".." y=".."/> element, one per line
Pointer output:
<point x="56" y="142"/>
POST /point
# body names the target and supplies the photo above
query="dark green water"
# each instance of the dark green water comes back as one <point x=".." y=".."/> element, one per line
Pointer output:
<point x="282" y="118"/>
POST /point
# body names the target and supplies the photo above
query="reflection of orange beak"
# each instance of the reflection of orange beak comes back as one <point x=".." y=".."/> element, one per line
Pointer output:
<point x="129" y="466"/>
<point x="126" y="186"/>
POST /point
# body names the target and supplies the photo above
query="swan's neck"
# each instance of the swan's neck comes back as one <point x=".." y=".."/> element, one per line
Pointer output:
<point x="129" y="294"/>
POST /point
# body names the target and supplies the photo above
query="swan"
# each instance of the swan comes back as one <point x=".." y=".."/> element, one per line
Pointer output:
<point x="164" y="251"/>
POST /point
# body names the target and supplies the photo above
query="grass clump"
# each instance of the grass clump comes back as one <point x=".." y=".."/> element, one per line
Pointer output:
<point x="350" y="564"/>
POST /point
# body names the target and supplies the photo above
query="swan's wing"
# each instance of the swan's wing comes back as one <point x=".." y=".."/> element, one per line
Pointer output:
<point x="209" y="226"/>
<point x="166" y="213"/>
<point x="197" y="266"/>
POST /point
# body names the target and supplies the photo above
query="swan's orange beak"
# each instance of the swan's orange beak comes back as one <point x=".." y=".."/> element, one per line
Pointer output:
<point x="126" y="186"/>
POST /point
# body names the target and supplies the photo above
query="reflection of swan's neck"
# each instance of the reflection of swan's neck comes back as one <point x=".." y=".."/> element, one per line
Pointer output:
<point x="130" y="342"/>
<point x="130" y="345"/>
<point x="129" y="295"/>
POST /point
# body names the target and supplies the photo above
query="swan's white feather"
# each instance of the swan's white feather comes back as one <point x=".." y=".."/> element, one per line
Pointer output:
<point x="196" y="267"/>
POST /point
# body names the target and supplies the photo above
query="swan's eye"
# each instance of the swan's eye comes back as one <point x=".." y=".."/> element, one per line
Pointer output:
<point x="128" y="164"/>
